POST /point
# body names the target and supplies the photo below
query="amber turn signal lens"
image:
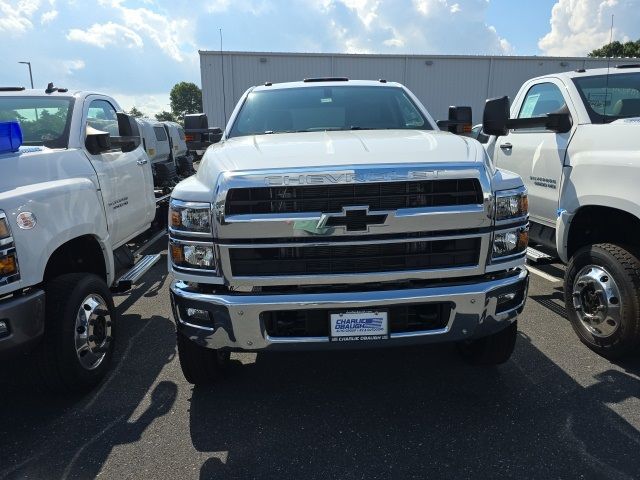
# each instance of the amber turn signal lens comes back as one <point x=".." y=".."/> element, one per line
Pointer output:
<point x="523" y="239"/>
<point x="4" y="228"/>
<point x="176" y="219"/>
<point x="8" y="265"/>
<point x="177" y="254"/>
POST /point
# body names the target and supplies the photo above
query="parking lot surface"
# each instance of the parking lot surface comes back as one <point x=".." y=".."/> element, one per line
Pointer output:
<point x="556" y="410"/>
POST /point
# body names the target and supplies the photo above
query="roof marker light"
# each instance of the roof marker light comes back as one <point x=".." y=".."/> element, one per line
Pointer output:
<point x="10" y="137"/>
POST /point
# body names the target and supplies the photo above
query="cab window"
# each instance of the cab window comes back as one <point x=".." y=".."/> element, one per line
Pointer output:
<point x="541" y="100"/>
<point x="102" y="116"/>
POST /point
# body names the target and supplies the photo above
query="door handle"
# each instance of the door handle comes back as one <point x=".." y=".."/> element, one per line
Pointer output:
<point x="506" y="146"/>
<point x="142" y="162"/>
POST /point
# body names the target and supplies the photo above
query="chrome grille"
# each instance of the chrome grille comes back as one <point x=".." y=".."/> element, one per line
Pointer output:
<point x="348" y="259"/>
<point x="332" y="198"/>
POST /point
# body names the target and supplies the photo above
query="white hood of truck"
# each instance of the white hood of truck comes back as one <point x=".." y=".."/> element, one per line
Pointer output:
<point x="336" y="148"/>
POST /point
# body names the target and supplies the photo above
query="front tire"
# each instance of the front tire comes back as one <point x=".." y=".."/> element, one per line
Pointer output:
<point x="602" y="298"/>
<point x="200" y="365"/>
<point x="492" y="350"/>
<point x="77" y="347"/>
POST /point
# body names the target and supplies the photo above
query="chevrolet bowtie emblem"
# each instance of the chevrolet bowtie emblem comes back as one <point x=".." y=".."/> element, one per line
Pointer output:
<point x="353" y="219"/>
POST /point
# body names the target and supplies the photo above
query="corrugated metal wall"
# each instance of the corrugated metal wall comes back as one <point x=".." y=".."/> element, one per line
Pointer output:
<point x="438" y="81"/>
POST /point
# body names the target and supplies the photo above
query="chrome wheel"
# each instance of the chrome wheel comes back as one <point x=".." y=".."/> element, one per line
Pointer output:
<point x="93" y="331"/>
<point x="596" y="299"/>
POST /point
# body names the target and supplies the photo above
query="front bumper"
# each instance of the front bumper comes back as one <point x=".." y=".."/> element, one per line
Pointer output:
<point x="235" y="320"/>
<point x="23" y="316"/>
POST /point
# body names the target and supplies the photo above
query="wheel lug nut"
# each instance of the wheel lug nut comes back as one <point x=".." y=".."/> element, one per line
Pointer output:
<point x="92" y="338"/>
<point x="81" y="329"/>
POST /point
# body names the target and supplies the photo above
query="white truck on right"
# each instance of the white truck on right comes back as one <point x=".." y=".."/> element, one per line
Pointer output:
<point x="574" y="138"/>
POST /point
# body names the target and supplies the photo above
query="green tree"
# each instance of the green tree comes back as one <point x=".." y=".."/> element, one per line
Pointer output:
<point x="165" y="116"/>
<point x="135" y="112"/>
<point x="617" y="49"/>
<point x="185" y="97"/>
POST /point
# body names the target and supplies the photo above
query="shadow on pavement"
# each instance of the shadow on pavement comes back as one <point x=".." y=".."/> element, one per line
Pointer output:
<point x="418" y="413"/>
<point x="43" y="436"/>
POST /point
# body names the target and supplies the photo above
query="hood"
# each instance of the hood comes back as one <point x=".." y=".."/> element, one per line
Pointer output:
<point x="33" y="165"/>
<point x="336" y="148"/>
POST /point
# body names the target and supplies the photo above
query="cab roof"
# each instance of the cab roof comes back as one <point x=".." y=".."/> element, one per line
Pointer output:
<point x="326" y="82"/>
<point x="616" y="69"/>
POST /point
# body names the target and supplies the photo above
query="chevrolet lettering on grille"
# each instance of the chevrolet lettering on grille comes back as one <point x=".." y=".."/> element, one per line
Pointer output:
<point x="353" y="219"/>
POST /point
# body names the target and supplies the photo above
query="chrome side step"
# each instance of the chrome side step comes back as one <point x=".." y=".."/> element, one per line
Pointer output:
<point x="142" y="266"/>
<point x="537" y="256"/>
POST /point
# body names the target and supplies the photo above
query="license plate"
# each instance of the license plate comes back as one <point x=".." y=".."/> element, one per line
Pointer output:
<point x="359" y="325"/>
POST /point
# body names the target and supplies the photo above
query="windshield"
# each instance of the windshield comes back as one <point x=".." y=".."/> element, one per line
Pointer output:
<point x="612" y="99"/>
<point x="309" y="109"/>
<point x="44" y="121"/>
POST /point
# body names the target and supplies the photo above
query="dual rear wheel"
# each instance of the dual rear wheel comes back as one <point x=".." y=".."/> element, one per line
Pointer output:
<point x="602" y="298"/>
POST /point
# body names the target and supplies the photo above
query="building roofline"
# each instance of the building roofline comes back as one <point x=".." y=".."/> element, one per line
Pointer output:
<point x="399" y="55"/>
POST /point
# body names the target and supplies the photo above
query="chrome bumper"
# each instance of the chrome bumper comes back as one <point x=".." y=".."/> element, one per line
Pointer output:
<point x="235" y="319"/>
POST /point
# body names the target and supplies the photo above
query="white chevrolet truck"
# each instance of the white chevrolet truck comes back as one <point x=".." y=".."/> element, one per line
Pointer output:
<point x="574" y="138"/>
<point x="76" y="188"/>
<point x="335" y="214"/>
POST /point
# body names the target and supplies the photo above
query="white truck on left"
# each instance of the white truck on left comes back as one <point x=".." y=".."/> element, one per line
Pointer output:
<point x="76" y="189"/>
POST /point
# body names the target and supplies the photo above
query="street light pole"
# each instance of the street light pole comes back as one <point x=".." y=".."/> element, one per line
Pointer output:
<point x="30" y="74"/>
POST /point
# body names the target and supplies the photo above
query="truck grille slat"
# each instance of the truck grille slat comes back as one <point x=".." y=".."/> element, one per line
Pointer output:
<point x="345" y="259"/>
<point x="332" y="198"/>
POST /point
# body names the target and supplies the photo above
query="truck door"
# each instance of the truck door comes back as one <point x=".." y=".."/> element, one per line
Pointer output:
<point x="125" y="178"/>
<point x="537" y="154"/>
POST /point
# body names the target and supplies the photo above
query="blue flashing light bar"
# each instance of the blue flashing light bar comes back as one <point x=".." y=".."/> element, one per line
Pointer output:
<point x="10" y="137"/>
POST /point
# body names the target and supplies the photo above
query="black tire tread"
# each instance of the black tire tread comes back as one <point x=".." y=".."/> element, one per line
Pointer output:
<point x="200" y="365"/>
<point x="492" y="350"/>
<point x="48" y="363"/>
<point x="631" y="266"/>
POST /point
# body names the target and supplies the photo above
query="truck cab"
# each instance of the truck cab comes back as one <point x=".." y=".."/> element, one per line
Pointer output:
<point x="574" y="138"/>
<point x="76" y="188"/>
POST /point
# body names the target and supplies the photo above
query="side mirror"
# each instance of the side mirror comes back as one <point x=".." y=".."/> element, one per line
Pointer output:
<point x="560" y="121"/>
<point x="97" y="141"/>
<point x="496" y="116"/>
<point x="215" y="135"/>
<point x="128" y="133"/>
<point x="459" y="121"/>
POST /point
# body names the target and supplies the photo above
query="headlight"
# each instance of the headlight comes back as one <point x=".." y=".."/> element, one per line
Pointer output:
<point x="193" y="255"/>
<point x="511" y="204"/>
<point x="190" y="217"/>
<point x="510" y="242"/>
<point x="4" y="228"/>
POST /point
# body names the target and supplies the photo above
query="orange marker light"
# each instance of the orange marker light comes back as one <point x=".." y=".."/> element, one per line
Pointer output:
<point x="177" y="255"/>
<point x="8" y="265"/>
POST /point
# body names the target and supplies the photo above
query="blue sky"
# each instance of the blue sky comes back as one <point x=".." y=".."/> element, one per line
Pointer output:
<point x="137" y="50"/>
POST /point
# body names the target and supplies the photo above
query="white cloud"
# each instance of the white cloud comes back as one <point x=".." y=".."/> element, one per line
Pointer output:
<point x="149" y="104"/>
<point x="255" y="7"/>
<point x="411" y="26"/>
<point x="168" y="33"/>
<point x="101" y="35"/>
<point x="15" y="17"/>
<point x="73" y="65"/>
<point x="579" y="26"/>
<point x="48" y="17"/>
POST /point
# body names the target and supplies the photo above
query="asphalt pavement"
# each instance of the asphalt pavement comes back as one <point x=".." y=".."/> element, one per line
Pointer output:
<point x="555" y="410"/>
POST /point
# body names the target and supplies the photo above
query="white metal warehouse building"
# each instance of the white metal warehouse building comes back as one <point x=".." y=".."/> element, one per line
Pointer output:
<point x="437" y="80"/>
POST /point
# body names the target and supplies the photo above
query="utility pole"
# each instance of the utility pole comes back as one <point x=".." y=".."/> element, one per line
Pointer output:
<point x="30" y="74"/>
